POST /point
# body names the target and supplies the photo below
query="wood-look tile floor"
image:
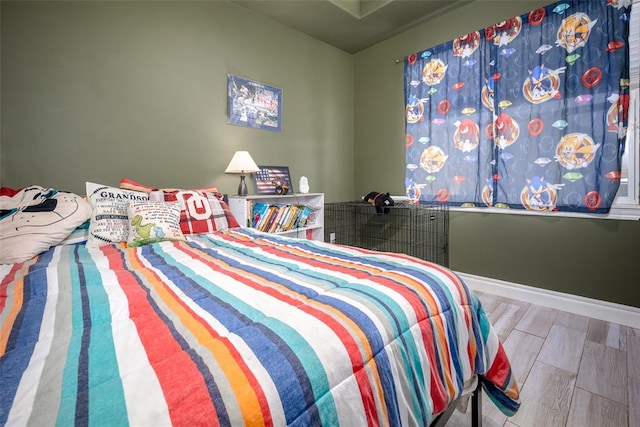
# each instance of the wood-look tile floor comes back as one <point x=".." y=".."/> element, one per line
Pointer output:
<point x="572" y="370"/>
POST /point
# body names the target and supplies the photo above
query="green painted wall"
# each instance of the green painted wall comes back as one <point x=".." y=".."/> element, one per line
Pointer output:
<point x="103" y="90"/>
<point x="592" y="258"/>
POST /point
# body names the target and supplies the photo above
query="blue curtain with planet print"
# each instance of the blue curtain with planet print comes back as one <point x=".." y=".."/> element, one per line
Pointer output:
<point x="529" y="113"/>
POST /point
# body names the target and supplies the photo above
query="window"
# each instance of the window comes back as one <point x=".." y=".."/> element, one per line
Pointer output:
<point x="627" y="202"/>
<point x="512" y="150"/>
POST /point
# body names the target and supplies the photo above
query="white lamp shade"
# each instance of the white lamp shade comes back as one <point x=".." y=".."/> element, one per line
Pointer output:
<point x="242" y="163"/>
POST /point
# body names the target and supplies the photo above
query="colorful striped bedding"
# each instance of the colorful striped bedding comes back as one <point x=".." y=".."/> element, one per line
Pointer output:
<point x="240" y="328"/>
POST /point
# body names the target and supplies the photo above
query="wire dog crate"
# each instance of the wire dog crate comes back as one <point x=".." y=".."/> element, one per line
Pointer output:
<point x="417" y="230"/>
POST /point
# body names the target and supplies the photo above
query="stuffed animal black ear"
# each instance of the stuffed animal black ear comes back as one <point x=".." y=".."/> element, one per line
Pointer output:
<point x="381" y="201"/>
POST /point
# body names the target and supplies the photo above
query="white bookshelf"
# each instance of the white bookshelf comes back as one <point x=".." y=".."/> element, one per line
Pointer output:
<point x="314" y="230"/>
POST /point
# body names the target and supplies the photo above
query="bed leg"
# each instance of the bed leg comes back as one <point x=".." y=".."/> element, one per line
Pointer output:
<point x="476" y="407"/>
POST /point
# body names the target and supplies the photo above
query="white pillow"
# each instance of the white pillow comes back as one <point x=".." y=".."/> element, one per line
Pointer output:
<point x="109" y="222"/>
<point x="151" y="222"/>
<point x="37" y="218"/>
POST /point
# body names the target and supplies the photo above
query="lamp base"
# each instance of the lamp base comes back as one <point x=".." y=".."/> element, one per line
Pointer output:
<point x="242" y="188"/>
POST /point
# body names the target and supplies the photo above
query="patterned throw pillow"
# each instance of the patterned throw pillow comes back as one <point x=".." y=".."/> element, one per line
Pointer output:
<point x="202" y="210"/>
<point x="109" y="221"/>
<point x="151" y="222"/>
<point x="35" y="218"/>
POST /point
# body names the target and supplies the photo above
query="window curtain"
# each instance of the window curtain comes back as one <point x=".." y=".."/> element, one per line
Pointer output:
<point x="529" y="113"/>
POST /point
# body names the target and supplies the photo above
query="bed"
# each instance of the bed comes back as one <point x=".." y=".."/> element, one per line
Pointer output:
<point x="239" y="327"/>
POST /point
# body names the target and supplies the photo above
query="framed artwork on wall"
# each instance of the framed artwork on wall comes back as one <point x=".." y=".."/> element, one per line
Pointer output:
<point x="272" y="180"/>
<point x="253" y="104"/>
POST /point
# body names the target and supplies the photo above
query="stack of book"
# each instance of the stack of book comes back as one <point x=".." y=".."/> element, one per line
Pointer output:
<point x="276" y="218"/>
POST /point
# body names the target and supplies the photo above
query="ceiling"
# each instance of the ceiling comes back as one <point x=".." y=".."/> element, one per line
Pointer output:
<point x="351" y="25"/>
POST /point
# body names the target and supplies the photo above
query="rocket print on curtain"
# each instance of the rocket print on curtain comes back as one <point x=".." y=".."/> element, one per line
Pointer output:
<point x="529" y="113"/>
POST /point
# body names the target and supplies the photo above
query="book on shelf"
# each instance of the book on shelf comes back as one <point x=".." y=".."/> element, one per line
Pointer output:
<point x="284" y="218"/>
<point x="290" y="221"/>
<point x="265" y="219"/>
<point x="259" y="211"/>
<point x="303" y="216"/>
<point x="279" y="212"/>
<point x="271" y="215"/>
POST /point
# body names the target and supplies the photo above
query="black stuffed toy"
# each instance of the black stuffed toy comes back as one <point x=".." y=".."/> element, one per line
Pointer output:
<point x="381" y="201"/>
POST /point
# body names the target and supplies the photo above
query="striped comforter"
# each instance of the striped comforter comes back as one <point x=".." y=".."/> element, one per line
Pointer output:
<point x="239" y="328"/>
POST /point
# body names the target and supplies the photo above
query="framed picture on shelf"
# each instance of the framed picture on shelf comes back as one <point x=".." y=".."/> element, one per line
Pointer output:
<point x="253" y="104"/>
<point x="272" y="180"/>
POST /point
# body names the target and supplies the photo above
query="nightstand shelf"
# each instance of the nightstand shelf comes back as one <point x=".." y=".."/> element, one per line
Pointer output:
<point x="241" y="207"/>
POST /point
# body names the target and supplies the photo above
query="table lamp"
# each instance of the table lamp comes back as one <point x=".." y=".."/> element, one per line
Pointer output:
<point x="242" y="163"/>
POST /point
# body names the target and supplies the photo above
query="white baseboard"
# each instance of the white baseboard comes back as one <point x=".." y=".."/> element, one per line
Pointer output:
<point x="603" y="310"/>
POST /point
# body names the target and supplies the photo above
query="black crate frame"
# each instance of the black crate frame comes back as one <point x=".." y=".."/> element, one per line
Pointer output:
<point x="421" y="231"/>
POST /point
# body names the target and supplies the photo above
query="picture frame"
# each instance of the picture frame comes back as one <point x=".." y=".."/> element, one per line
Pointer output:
<point x="268" y="178"/>
<point x="253" y="104"/>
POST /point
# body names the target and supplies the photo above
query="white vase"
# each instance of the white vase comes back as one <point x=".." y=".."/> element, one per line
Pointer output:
<point x="304" y="185"/>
